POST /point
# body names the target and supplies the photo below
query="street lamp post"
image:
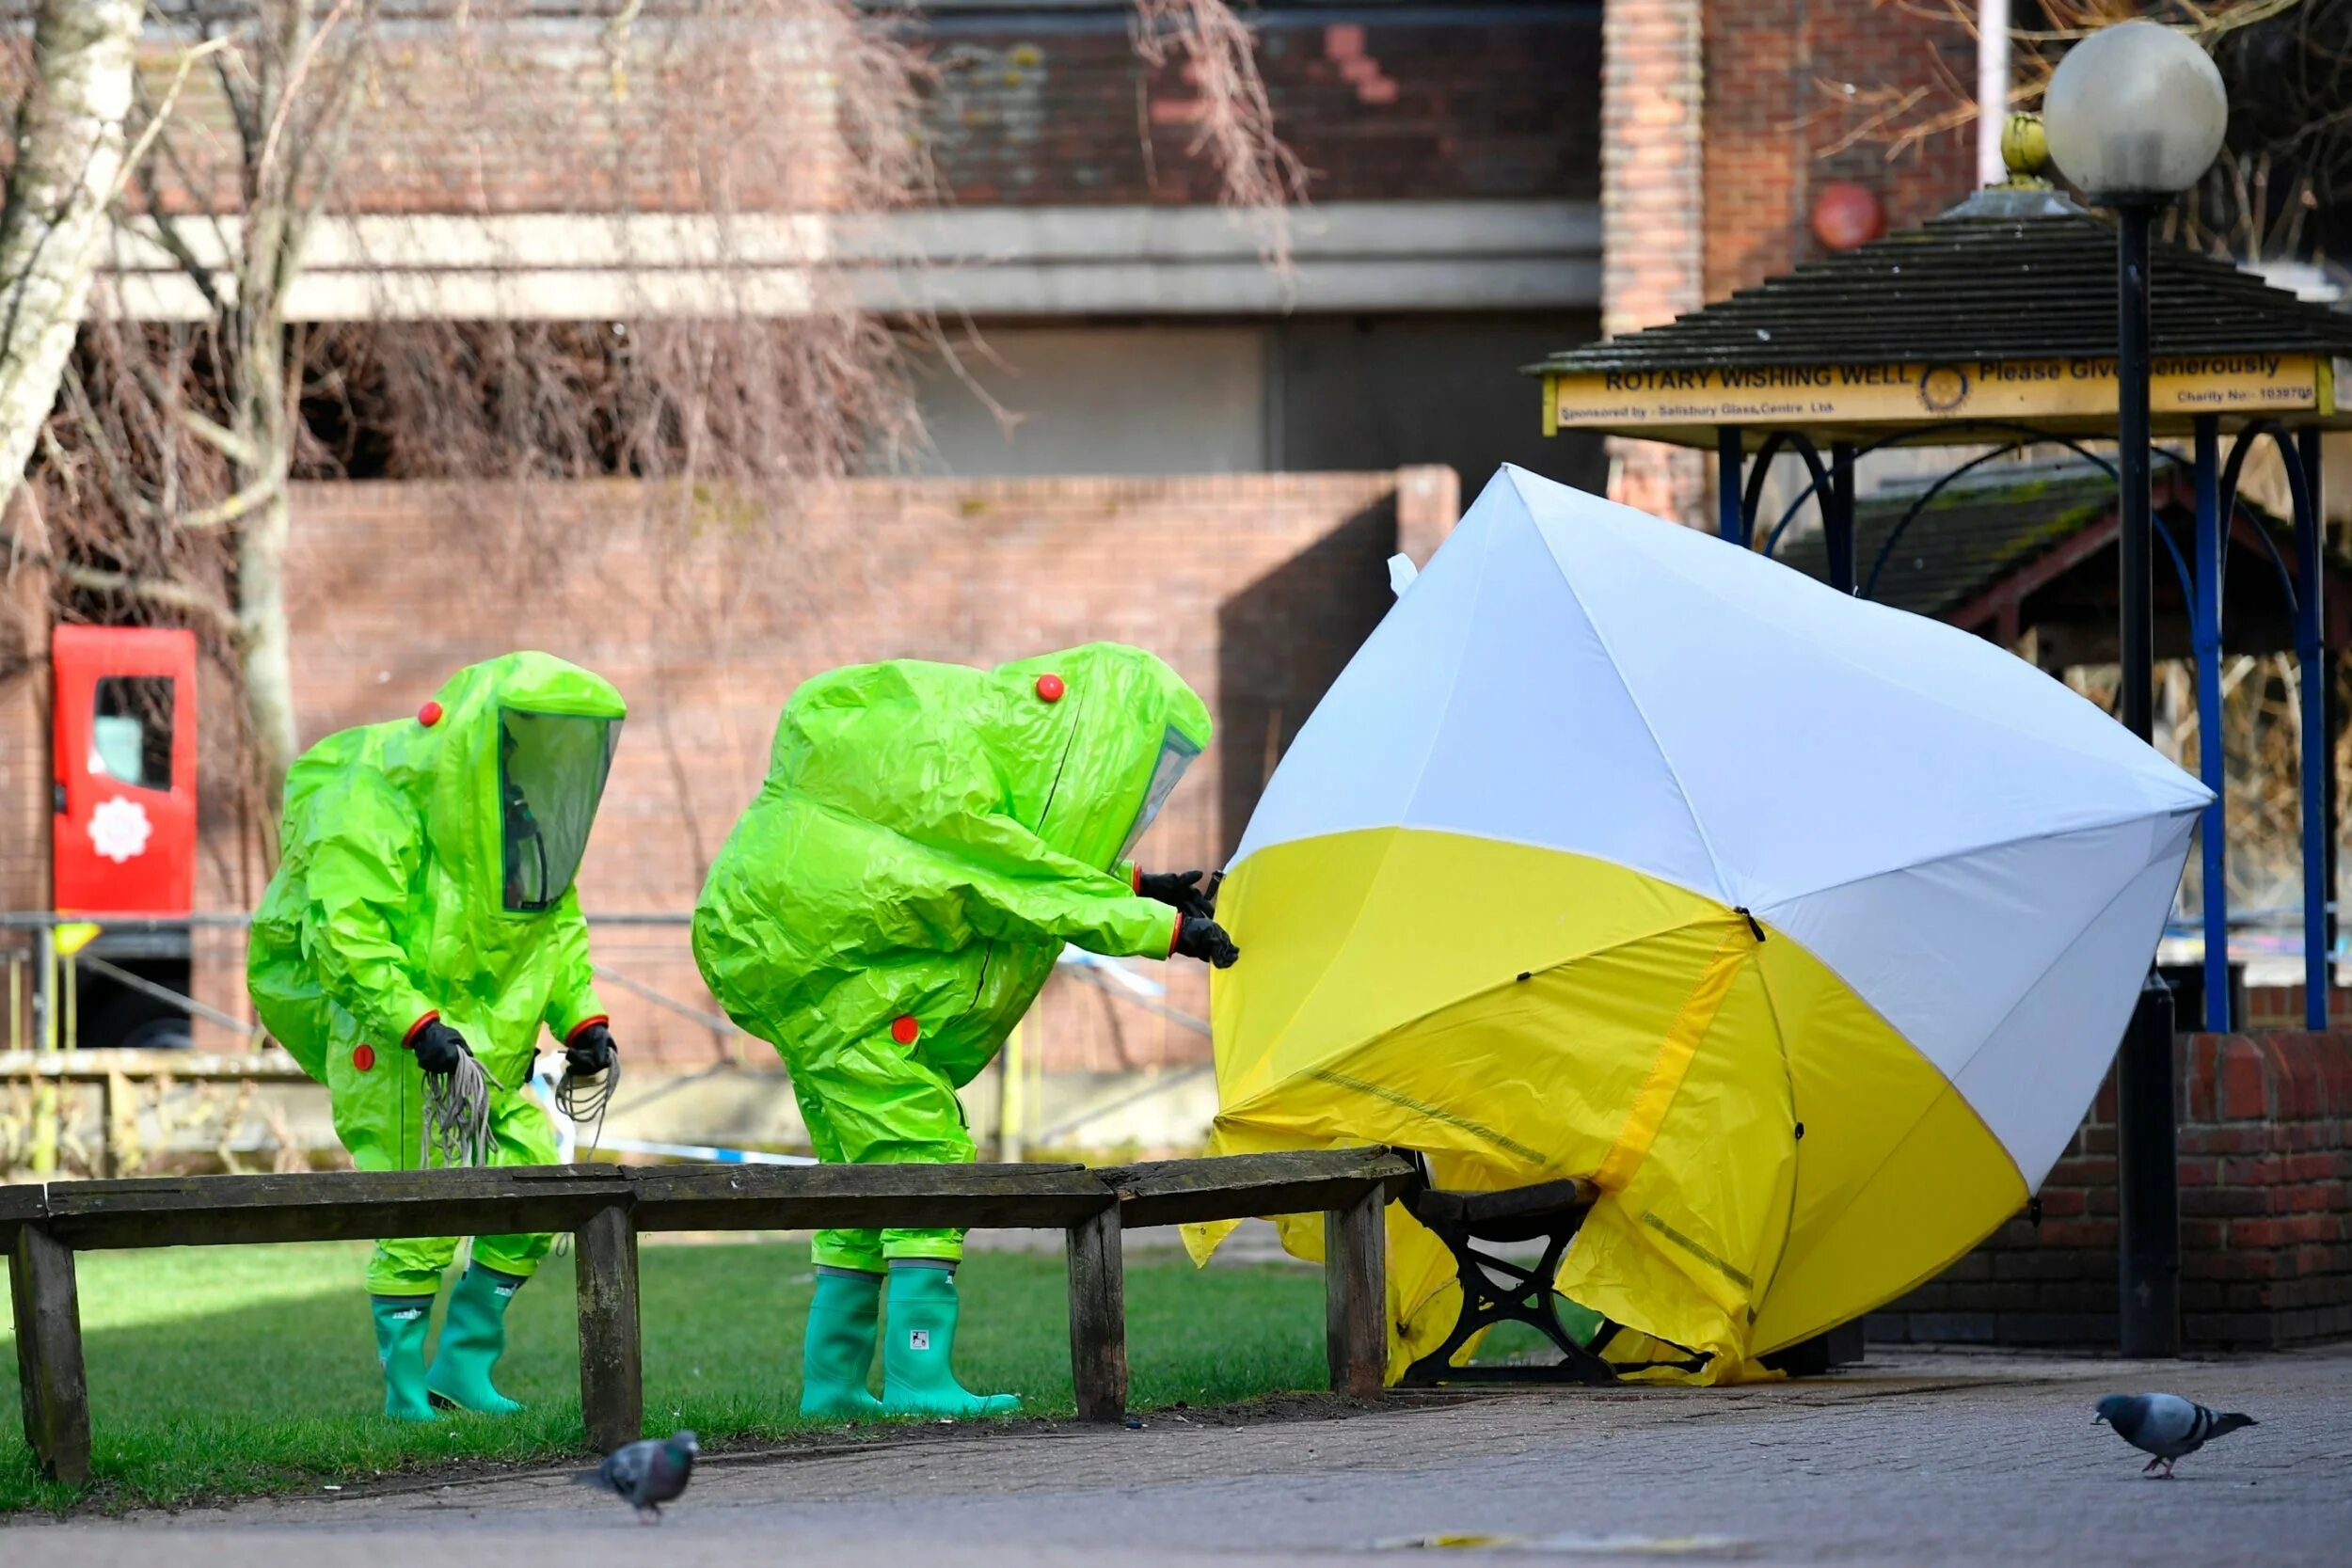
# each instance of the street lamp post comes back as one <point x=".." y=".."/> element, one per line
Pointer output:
<point x="2135" y="115"/>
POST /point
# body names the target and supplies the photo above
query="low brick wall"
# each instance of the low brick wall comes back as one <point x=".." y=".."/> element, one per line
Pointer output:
<point x="2282" y="1006"/>
<point x="2265" y="1160"/>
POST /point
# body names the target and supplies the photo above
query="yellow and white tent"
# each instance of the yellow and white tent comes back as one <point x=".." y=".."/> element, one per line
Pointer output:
<point x="1804" y="926"/>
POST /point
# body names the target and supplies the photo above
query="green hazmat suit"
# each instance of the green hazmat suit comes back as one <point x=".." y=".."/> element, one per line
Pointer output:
<point x="929" y="838"/>
<point x="425" y="872"/>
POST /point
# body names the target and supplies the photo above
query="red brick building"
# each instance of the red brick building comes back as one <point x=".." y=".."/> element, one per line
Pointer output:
<point x="1724" y="121"/>
<point x="1457" y="160"/>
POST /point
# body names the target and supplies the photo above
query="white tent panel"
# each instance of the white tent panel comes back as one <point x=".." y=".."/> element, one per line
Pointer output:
<point x="1541" y="743"/>
<point x="1484" y="704"/>
<point x="1355" y="761"/>
<point x="1984" y="856"/>
<point x="1943" y="950"/>
<point x="1820" y="738"/>
<point x="2043" y="1065"/>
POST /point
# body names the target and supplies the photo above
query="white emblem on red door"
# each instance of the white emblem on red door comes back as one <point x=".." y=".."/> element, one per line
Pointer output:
<point x="119" y="828"/>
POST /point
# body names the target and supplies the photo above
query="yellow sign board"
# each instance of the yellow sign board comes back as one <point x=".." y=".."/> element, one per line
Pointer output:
<point x="2021" y="392"/>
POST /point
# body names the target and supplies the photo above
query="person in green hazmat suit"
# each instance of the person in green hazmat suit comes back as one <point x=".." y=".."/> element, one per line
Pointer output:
<point x="929" y="838"/>
<point x="422" y="911"/>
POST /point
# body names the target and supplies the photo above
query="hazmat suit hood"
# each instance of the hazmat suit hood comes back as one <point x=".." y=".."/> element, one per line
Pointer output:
<point x="929" y="838"/>
<point x="1124" y="718"/>
<point x="1080" y="748"/>
<point x="426" y="867"/>
<point x="525" y="745"/>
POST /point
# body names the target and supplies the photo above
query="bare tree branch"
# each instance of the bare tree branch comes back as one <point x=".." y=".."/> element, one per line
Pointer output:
<point x="166" y="591"/>
<point x="1260" y="176"/>
<point x="236" y="448"/>
<point x="269" y="487"/>
<point x="721" y="130"/>
<point x="292" y="93"/>
<point x="156" y="121"/>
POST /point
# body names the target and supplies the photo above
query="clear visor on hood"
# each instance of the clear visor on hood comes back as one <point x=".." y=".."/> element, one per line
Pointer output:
<point x="551" y="772"/>
<point x="1176" y="754"/>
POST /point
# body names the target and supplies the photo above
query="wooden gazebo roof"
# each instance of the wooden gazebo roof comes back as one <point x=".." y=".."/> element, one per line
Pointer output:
<point x="2000" y="311"/>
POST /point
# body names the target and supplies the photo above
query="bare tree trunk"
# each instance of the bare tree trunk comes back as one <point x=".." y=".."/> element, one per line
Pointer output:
<point x="69" y="154"/>
<point x="268" y="665"/>
<point x="260" y="414"/>
<point x="263" y="424"/>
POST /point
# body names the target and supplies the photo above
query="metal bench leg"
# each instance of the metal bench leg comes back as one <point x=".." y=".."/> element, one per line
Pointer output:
<point x="49" y="1356"/>
<point x="1528" y="1298"/>
<point x="1098" y="1317"/>
<point x="612" y="1364"/>
<point x="1356" y="1294"/>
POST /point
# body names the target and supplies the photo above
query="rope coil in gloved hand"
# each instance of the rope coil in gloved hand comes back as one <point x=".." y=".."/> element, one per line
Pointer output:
<point x="584" y="1099"/>
<point x="456" y="1119"/>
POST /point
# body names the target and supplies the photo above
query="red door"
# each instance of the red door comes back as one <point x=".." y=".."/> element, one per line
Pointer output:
<point x="124" y="717"/>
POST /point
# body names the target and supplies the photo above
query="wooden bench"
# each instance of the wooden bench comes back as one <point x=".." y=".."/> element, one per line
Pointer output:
<point x="605" y="1207"/>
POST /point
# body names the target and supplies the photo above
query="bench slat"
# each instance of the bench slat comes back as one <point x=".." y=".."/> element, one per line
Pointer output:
<point x="328" y="1206"/>
<point x="1245" y="1186"/>
<point x="25" y="1201"/>
<point x="797" y="1197"/>
<point x="98" y="1063"/>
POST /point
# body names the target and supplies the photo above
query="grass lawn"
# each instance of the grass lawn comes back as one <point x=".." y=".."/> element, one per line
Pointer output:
<point x="220" y="1370"/>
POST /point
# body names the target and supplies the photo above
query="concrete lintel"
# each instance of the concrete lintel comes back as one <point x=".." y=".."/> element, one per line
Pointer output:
<point x="998" y="260"/>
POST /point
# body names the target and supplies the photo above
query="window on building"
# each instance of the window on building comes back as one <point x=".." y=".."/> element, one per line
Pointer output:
<point x="130" y="733"/>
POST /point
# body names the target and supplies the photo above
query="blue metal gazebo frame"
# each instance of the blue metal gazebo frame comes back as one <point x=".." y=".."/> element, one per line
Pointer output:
<point x="1831" y="489"/>
<point x="1995" y="326"/>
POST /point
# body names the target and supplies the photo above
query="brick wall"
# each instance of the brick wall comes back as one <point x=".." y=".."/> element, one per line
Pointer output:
<point x="1653" y="214"/>
<point x="1256" y="588"/>
<point x="1722" y="119"/>
<point x="536" y="120"/>
<point x="25" y="774"/>
<point x="2282" y="1006"/>
<point x="2265" y="1163"/>
<point x="1048" y="108"/>
<point x="1802" y="93"/>
<point x="1056" y="110"/>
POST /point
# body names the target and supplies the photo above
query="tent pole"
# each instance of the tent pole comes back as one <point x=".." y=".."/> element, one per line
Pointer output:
<point x="2207" y="638"/>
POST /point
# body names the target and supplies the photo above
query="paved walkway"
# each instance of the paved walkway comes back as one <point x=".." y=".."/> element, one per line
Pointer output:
<point x="1923" y="1458"/>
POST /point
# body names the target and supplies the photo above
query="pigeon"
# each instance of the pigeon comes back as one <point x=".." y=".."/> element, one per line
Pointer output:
<point x="647" y="1474"/>
<point x="2165" y="1425"/>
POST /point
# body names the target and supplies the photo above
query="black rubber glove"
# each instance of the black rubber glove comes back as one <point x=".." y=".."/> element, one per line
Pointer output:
<point x="437" y="1047"/>
<point x="590" y="1051"/>
<point x="1206" y="939"/>
<point x="1181" y="890"/>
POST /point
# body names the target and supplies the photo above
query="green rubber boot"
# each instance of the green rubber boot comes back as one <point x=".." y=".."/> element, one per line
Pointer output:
<point x="401" y="1322"/>
<point x="838" y="1350"/>
<point x="919" y="1378"/>
<point x="474" y="1337"/>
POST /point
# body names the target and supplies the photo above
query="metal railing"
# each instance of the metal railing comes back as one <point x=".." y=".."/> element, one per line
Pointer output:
<point x="60" y="952"/>
<point x="54" y="967"/>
